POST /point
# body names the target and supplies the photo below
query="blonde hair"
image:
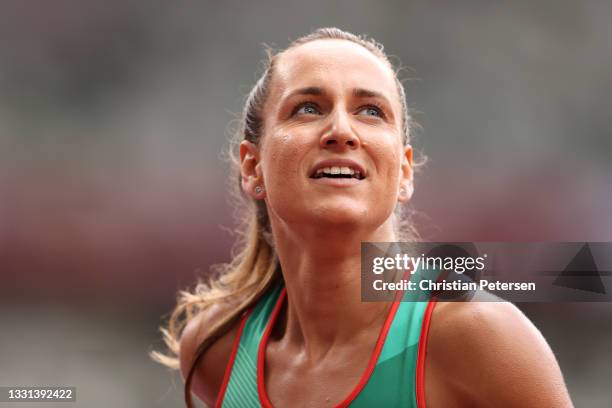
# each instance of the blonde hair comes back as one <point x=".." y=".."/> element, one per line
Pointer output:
<point x="255" y="266"/>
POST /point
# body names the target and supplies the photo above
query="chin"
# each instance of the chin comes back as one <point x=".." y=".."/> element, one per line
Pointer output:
<point x="345" y="217"/>
<point x="333" y="214"/>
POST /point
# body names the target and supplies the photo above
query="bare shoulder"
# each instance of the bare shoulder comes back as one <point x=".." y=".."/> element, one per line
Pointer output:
<point x="208" y="376"/>
<point x="490" y="354"/>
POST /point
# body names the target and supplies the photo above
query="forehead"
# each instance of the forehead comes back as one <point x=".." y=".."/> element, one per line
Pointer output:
<point x="333" y="64"/>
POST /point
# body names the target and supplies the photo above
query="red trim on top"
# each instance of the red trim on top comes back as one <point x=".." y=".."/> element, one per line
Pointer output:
<point x="261" y="387"/>
<point x="230" y="362"/>
<point x="420" y="370"/>
<point x="379" y="345"/>
<point x="261" y="352"/>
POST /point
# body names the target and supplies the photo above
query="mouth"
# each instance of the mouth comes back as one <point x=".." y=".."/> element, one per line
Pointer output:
<point x="338" y="170"/>
<point x="338" y="173"/>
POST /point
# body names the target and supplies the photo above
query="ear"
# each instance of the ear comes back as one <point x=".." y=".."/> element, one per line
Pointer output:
<point x="250" y="170"/>
<point x="406" y="186"/>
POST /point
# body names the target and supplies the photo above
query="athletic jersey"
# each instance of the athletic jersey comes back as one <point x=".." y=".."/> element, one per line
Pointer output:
<point x="393" y="377"/>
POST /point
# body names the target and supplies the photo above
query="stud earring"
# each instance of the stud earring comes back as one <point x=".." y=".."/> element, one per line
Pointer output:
<point x="402" y="191"/>
<point x="259" y="190"/>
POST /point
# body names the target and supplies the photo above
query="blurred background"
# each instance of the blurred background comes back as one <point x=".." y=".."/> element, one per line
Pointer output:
<point x="113" y="115"/>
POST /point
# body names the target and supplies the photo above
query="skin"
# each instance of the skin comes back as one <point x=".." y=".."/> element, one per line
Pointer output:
<point x="478" y="353"/>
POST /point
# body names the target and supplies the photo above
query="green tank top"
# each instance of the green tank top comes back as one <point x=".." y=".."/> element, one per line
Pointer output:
<point x="393" y="378"/>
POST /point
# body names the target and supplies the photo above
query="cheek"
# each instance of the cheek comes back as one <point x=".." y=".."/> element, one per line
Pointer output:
<point x="387" y="154"/>
<point x="281" y="158"/>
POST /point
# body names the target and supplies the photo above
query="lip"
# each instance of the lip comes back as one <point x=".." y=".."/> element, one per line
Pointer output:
<point x="336" y="182"/>
<point x="338" y="163"/>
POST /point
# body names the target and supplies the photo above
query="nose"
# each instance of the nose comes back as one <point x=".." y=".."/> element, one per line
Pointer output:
<point x="340" y="134"/>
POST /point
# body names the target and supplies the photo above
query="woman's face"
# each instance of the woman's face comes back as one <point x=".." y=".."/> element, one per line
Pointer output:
<point x="331" y="151"/>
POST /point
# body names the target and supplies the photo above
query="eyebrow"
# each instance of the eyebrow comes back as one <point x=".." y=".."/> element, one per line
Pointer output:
<point x="309" y="90"/>
<point x="357" y="92"/>
<point x="366" y="93"/>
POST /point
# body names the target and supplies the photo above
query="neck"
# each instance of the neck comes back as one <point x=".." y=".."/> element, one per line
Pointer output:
<point x="322" y="273"/>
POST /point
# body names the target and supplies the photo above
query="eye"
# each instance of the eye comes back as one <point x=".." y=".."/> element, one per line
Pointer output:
<point x="371" y="110"/>
<point x="307" y="108"/>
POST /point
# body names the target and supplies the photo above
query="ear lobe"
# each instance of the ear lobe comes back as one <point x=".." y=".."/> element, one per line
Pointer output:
<point x="405" y="193"/>
<point x="250" y="170"/>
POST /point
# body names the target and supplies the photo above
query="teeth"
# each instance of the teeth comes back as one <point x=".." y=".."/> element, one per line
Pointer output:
<point x="338" y="170"/>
